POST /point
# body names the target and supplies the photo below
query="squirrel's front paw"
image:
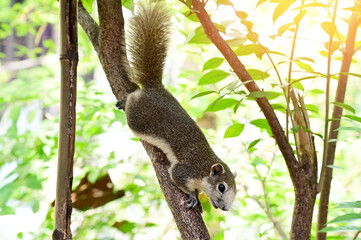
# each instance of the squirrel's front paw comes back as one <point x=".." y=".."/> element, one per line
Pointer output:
<point x="193" y="202"/>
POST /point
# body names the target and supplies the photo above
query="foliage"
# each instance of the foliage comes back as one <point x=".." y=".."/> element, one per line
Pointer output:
<point x="205" y="86"/>
<point x="343" y="221"/>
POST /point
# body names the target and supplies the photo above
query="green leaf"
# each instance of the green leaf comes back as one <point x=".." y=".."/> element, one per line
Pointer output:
<point x="281" y="8"/>
<point x="201" y="94"/>
<point x="221" y="104"/>
<point x="355" y="9"/>
<point x="224" y="2"/>
<point x="35" y="206"/>
<point x="297" y="84"/>
<point x="151" y="224"/>
<point x="220" y="28"/>
<point x="258" y="94"/>
<point x="257" y="161"/>
<point x="335" y="46"/>
<point x="353" y="117"/>
<point x="127" y="4"/>
<point x="88" y="5"/>
<point x="309" y="131"/>
<point x="334" y="167"/>
<point x="119" y="116"/>
<point x="299" y="17"/>
<point x="257" y="74"/>
<point x="248" y="49"/>
<point x="346" y="218"/>
<point x="312" y="108"/>
<point x="241" y="14"/>
<point x="279" y="107"/>
<point x="329" y="28"/>
<point x="125" y="226"/>
<point x="268" y="94"/>
<point x="253" y="37"/>
<point x="32" y="181"/>
<point x="304" y="66"/>
<point x="340" y="229"/>
<point x="254" y="143"/>
<point x="307" y="59"/>
<point x="284" y="28"/>
<point x="236" y="106"/>
<point x="278" y="53"/>
<point x="212" y="77"/>
<point x="354" y="129"/>
<point x="272" y="95"/>
<point x="315" y="4"/>
<point x="213" y="63"/>
<point x="344" y="106"/>
<point x="94" y="175"/>
<point x="316" y="91"/>
<point x="351" y="74"/>
<point x="261" y="1"/>
<point x="189" y="15"/>
<point x="356" y="204"/>
<point x="13" y="111"/>
<point x="198" y="36"/>
<point x="5" y="210"/>
<point x="262" y="124"/>
<point x="234" y="131"/>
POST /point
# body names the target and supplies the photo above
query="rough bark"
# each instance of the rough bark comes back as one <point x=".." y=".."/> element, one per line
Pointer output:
<point x="326" y="174"/>
<point x="68" y="61"/>
<point x="112" y="55"/>
<point x="302" y="213"/>
<point x="302" y="172"/>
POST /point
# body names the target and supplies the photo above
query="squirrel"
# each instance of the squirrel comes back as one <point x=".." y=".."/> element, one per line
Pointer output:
<point x="156" y="117"/>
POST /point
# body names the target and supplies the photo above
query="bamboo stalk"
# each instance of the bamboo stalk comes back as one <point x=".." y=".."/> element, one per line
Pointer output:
<point x="68" y="65"/>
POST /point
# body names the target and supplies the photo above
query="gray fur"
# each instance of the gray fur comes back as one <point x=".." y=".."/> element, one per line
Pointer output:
<point x="154" y="115"/>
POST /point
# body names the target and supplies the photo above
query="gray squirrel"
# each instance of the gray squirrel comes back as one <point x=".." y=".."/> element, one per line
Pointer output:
<point x="156" y="117"/>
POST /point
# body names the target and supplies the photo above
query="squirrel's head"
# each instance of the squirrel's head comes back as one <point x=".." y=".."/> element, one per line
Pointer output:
<point x="221" y="187"/>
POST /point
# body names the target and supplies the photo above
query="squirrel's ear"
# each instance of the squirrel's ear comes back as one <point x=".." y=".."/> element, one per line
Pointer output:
<point x="216" y="169"/>
<point x="235" y="174"/>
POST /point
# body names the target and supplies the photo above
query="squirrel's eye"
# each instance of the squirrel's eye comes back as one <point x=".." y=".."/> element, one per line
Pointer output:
<point x="221" y="188"/>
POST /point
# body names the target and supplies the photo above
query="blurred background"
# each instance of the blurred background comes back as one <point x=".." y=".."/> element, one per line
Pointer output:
<point x="115" y="192"/>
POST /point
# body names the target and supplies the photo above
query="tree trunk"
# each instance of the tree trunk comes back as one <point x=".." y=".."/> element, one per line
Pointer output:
<point x="302" y="214"/>
<point x="68" y="61"/>
<point x="326" y="174"/>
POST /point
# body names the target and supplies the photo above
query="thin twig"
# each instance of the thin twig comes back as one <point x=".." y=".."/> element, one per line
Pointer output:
<point x="266" y="206"/>
<point x="356" y="235"/>
<point x="327" y="104"/>
<point x="290" y="72"/>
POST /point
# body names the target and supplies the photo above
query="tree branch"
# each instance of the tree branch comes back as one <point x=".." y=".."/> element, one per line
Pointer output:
<point x="243" y="75"/>
<point x="89" y="26"/>
<point x="112" y="55"/>
<point x="302" y="177"/>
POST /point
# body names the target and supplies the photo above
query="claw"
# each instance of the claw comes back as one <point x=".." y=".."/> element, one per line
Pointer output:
<point x="192" y="200"/>
<point x="121" y="104"/>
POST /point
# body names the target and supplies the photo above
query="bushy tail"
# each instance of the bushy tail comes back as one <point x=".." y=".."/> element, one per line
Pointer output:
<point x="148" y="41"/>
